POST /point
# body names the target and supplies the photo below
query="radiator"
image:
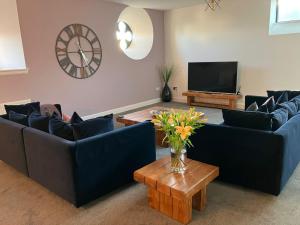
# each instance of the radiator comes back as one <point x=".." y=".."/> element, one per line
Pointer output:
<point x="2" y="110"/>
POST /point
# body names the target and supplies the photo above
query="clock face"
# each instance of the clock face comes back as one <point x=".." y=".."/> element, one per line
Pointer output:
<point x="78" y="51"/>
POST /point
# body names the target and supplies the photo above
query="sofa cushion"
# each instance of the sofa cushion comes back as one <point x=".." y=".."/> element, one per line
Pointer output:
<point x="252" y="107"/>
<point x="254" y="120"/>
<point x="268" y="106"/>
<point x="290" y="107"/>
<point x="23" y="109"/>
<point x="276" y="94"/>
<point x="75" y="118"/>
<point x="296" y="100"/>
<point x="282" y="98"/>
<point x="18" y="117"/>
<point x="293" y="94"/>
<point x="93" y="127"/>
<point x="38" y="121"/>
<point x="61" y="129"/>
<point x="280" y="117"/>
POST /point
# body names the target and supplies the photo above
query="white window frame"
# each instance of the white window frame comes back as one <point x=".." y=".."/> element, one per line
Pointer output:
<point x="278" y="28"/>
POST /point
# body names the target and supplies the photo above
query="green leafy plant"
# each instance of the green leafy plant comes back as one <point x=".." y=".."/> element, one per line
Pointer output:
<point x="179" y="126"/>
<point x="166" y="73"/>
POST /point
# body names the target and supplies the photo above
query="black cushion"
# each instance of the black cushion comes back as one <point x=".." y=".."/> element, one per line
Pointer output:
<point x="254" y="120"/>
<point x="18" y="118"/>
<point x="61" y="129"/>
<point x="23" y="109"/>
<point x="282" y="98"/>
<point x="280" y="117"/>
<point x="293" y="94"/>
<point x="263" y="108"/>
<point x="93" y="127"/>
<point x="276" y="94"/>
<point x="38" y="121"/>
<point x="252" y="107"/>
<point x="290" y="107"/>
<point x="76" y="118"/>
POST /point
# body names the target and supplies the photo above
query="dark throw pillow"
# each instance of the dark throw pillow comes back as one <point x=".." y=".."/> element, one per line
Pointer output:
<point x="290" y="107"/>
<point x="18" y="118"/>
<point x="38" y="121"/>
<point x="76" y="118"/>
<point x="268" y="106"/>
<point x="254" y="120"/>
<point x="293" y="94"/>
<point x="276" y="94"/>
<point x="282" y="98"/>
<point x="93" y="127"/>
<point x="253" y="107"/>
<point x="61" y="129"/>
<point x="280" y="117"/>
<point x="23" y="109"/>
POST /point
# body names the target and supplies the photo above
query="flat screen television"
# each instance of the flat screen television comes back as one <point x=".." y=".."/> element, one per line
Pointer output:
<point x="212" y="76"/>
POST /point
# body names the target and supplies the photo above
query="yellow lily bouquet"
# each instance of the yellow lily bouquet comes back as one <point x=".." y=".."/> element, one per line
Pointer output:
<point x="178" y="127"/>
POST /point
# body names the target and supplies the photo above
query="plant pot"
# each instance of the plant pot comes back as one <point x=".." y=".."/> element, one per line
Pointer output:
<point x="178" y="159"/>
<point x="166" y="94"/>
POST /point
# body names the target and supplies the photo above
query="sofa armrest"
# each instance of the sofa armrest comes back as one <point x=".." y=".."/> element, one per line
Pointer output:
<point x="12" y="146"/>
<point x="50" y="162"/>
<point x="248" y="157"/>
<point x="249" y="99"/>
<point x="107" y="161"/>
<point x="290" y="132"/>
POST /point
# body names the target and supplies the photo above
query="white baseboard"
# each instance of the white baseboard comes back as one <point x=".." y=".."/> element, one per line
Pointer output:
<point x="124" y="108"/>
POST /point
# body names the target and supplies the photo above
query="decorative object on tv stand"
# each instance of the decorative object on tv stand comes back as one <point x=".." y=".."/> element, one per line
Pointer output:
<point x="78" y="51"/>
<point x="212" y="4"/>
<point x="124" y="35"/>
<point x="166" y="73"/>
<point x="178" y="127"/>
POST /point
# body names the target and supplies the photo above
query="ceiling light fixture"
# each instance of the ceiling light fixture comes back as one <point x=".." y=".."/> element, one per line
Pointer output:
<point x="124" y="35"/>
<point x="212" y="4"/>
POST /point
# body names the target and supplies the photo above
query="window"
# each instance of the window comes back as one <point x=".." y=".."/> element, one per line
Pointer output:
<point x="288" y="10"/>
<point x="12" y="59"/>
<point x="284" y="17"/>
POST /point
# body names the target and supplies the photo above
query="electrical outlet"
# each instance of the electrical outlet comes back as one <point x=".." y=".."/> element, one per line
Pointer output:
<point x="157" y="88"/>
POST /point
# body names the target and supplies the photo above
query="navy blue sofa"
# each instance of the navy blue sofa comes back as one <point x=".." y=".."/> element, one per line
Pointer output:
<point x="83" y="170"/>
<point x="261" y="160"/>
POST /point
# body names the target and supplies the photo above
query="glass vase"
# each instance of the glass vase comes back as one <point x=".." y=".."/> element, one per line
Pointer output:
<point x="178" y="158"/>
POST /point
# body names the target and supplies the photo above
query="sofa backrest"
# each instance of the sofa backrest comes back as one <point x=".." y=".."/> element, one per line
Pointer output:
<point x="12" y="146"/>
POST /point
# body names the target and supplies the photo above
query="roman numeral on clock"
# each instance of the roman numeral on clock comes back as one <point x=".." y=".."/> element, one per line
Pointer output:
<point x="65" y="62"/>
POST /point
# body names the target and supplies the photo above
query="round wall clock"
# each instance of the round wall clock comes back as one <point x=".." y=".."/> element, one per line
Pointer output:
<point x="78" y="51"/>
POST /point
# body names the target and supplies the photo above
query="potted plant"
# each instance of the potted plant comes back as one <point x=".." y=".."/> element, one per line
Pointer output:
<point x="166" y="73"/>
<point x="178" y="127"/>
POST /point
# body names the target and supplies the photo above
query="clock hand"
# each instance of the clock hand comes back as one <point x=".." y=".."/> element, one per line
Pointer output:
<point x="82" y="54"/>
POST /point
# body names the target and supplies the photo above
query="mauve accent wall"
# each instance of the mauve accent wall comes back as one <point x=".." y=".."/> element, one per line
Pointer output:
<point x="120" y="81"/>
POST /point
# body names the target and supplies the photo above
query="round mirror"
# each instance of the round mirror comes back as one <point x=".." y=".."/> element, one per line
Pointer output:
<point x="135" y="33"/>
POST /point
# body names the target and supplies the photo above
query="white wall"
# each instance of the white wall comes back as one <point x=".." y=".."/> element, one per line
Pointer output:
<point x="237" y="31"/>
<point x="11" y="48"/>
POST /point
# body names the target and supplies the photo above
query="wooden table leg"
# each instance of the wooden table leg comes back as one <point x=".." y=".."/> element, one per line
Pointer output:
<point x="153" y="198"/>
<point x="199" y="200"/>
<point x="182" y="210"/>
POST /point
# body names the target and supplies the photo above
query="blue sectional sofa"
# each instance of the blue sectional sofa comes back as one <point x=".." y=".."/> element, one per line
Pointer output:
<point x="78" y="171"/>
<point x="258" y="159"/>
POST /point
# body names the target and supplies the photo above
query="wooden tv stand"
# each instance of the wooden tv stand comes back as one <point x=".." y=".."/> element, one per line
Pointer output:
<point x="213" y="100"/>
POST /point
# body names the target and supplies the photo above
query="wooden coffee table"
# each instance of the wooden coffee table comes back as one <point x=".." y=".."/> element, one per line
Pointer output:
<point x="175" y="194"/>
<point x="141" y="116"/>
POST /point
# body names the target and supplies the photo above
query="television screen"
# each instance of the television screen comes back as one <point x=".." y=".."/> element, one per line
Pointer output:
<point x="212" y="76"/>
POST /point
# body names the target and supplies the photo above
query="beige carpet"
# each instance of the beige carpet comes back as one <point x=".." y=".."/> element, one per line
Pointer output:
<point x="24" y="202"/>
